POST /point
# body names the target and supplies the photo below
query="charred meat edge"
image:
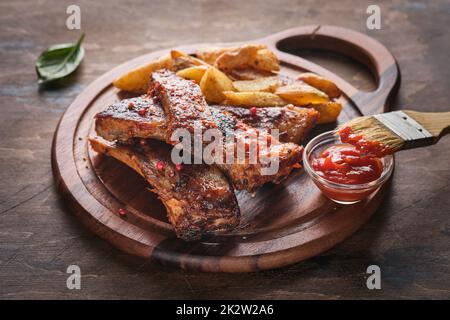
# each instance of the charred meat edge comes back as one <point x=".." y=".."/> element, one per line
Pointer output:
<point x="122" y="121"/>
<point x="199" y="200"/>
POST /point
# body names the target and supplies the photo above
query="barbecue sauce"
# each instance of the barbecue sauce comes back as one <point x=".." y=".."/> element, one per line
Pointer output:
<point x="374" y="148"/>
<point x="346" y="164"/>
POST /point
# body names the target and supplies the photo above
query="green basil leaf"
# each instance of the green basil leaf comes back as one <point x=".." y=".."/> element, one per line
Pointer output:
<point x="59" y="61"/>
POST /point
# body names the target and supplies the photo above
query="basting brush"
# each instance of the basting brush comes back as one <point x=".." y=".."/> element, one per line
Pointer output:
<point x="398" y="130"/>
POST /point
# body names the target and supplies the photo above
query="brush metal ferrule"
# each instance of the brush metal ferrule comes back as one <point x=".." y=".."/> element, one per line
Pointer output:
<point x="413" y="134"/>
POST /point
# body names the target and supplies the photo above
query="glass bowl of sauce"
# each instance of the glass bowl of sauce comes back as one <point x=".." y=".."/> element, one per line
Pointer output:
<point x="344" y="173"/>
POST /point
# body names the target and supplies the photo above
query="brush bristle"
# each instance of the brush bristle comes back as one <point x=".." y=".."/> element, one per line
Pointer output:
<point x="373" y="130"/>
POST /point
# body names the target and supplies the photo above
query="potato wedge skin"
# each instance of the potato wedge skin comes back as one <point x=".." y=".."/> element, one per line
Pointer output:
<point x="266" y="84"/>
<point x="213" y="83"/>
<point x="265" y="60"/>
<point x="253" y="99"/>
<point x="321" y="83"/>
<point x="193" y="73"/>
<point x="301" y="94"/>
<point x="210" y="55"/>
<point x="177" y="54"/>
<point x="253" y="55"/>
<point x="238" y="58"/>
<point x="137" y="80"/>
<point x="249" y="74"/>
<point x="329" y="112"/>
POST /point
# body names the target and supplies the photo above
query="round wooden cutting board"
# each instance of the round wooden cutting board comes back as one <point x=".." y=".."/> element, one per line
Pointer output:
<point x="281" y="224"/>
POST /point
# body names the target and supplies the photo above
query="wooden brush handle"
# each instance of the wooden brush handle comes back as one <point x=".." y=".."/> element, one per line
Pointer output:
<point x="437" y="123"/>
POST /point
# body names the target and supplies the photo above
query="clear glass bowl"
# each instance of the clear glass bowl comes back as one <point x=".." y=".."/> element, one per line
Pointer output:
<point x="338" y="192"/>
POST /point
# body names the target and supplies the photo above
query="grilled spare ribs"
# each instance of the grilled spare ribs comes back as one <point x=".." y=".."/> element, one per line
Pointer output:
<point x="121" y="121"/>
<point x="183" y="102"/>
<point x="293" y="122"/>
<point x="117" y="123"/>
<point x="198" y="198"/>
<point x="186" y="108"/>
<point x="139" y="117"/>
<point x="247" y="175"/>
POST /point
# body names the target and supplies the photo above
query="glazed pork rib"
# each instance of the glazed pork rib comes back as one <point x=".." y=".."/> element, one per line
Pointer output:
<point x="183" y="103"/>
<point x="121" y="121"/>
<point x="199" y="200"/>
<point x="186" y="108"/>
<point x="293" y="122"/>
<point x="139" y="117"/>
<point x="247" y="175"/>
<point x="118" y="122"/>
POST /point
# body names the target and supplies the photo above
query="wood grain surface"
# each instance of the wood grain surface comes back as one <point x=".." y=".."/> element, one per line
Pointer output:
<point x="407" y="238"/>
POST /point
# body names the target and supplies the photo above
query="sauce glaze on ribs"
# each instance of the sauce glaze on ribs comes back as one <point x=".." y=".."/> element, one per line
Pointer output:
<point x="186" y="108"/>
<point x="183" y="103"/>
<point x="139" y="117"/>
<point x="120" y="122"/>
<point x="293" y="122"/>
<point x="245" y="173"/>
<point x="199" y="200"/>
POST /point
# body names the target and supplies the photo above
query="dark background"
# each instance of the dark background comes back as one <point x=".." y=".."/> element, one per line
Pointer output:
<point x="408" y="237"/>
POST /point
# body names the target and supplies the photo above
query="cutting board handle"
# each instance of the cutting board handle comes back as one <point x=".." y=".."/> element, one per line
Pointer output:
<point x="357" y="46"/>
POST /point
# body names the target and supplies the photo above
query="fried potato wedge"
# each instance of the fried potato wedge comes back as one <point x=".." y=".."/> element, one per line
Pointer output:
<point x="238" y="57"/>
<point x="181" y="63"/>
<point x="249" y="74"/>
<point x="329" y="112"/>
<point x="267" y="84"/>
<point x="177" y="54"/>
<point x="255" y="56"/>
<point x="321" y="83"/>
<point x="193" y="73"/>
<point x="210" y="55"/>
<point x="137" y="80"/>
<point x="213" y="84"/>
<point x="253" y="99"/>
<point x="301" y="94"/>
<point x="265" y="60"/>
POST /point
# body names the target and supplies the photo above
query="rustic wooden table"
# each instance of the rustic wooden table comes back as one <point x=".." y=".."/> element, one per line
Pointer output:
<point x="408" y="237"/>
